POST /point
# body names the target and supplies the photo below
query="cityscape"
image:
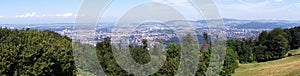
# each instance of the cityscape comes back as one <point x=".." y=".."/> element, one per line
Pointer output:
<point x="235" y="29"/>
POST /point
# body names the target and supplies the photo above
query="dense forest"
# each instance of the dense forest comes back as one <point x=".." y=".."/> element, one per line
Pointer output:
<point x="35" y="53"/>
<point x="32" y="52"/>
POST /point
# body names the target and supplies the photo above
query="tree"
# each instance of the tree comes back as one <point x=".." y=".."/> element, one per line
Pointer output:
<point x="259" y="53"/>
<point x="279" y="46"/>
<point x="293" y="36"/>
<point x="230" y="63"/>
<point x="171" y="65"/>
<point x="277" y="43"/>
<point x="205" y="35"/>
<point x="243" y="50"/>
<point x="205" y="42"/>
<point x="32" y="52"/>
<point x="262" y="38"/>
<point x="140" y="53"/>
<point x="106" y="58"/>
<point x="173" y="50"/>
<point x="204" y="59"/>
<point x="271" y="45"/>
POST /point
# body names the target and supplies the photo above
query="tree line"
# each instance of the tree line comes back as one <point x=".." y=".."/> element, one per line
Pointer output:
<point x="266" y="46"/>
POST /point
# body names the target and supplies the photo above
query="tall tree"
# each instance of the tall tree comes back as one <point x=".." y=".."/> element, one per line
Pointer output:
<point x="262" y="38"/>
<point x="205" y="42"/>
<point x="230" y="63"/>
<point x="277" y="43"/>
<point x="106" y="58"/>
<point x="293" y="36"/>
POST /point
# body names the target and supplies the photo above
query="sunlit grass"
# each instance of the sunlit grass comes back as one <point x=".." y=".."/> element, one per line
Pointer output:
<point x="289" y="66"/>
<point x="295" y="51"/>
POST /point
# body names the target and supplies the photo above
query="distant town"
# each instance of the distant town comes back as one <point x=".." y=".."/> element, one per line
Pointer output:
<point x="234" y="29"/>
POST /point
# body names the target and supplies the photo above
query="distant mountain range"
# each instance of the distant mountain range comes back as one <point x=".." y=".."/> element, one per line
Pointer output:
<point x="232" y="23"/>
<point x="257" y="24"/>
<point x="241" y="24"/>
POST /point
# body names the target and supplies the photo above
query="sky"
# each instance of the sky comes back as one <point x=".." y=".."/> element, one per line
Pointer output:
<point x="65" y="11"/>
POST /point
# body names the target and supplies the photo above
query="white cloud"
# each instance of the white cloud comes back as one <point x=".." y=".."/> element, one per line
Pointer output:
<point x="33" y="14"/>
<point x="297" y="5"/>
<point x="179" y="2"/>
<point x="184" y="7"/>
<point x="258" y="7"/>
<point x="247" y="5"/>
<point x="174" y="2"/>
<point x="1" y="16"/>
<point x="64" y="15"/>
<point x="278" y="0"/>
<point x="267" y="9"/>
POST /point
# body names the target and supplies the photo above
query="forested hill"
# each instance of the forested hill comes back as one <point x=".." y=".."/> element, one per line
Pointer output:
<point x="32" y="52"/>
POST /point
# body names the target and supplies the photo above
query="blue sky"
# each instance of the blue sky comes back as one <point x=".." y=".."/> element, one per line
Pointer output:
<point x="64" y="11"/>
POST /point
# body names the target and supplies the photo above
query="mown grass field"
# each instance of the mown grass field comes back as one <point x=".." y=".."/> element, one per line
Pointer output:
<point x="289" y="66"/>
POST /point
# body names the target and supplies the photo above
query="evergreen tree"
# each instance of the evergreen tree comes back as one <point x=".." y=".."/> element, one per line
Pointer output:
<point x="32" y="52"/>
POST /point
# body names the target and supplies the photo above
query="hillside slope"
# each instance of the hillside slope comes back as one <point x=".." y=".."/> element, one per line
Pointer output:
<point x="289" y="66"/>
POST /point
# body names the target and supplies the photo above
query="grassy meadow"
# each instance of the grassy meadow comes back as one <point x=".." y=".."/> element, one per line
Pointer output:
<point x="289" y="66"/>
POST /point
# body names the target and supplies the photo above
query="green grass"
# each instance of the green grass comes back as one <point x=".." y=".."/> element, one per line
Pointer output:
<point x="295" y="51"/>
<point x="289" y="66"/>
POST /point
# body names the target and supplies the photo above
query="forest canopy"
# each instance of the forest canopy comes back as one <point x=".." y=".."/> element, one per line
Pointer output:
<point x="33" y="52"/>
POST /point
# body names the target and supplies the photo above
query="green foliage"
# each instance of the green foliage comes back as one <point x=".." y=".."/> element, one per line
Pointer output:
<point x="268" y="45"/>
<point x="242" y="49"/>
<point x="228" y="68"/>
<point x="293" y="36"/>
<point x="276" y="43"/>
<point x="86" y="60"/>
<point x="230" y="63"/>
<point x="170" y="66"/>
<point x="262" y="38"/>
<point x="205" y="35"/>
<point x="32" y="52"/>
<point x="140" y="53"/>
<point x="259" y="53"/>
<point x="204" y="59"/>
<point x="106" y="59"/>
<point x="173" y="50"/>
